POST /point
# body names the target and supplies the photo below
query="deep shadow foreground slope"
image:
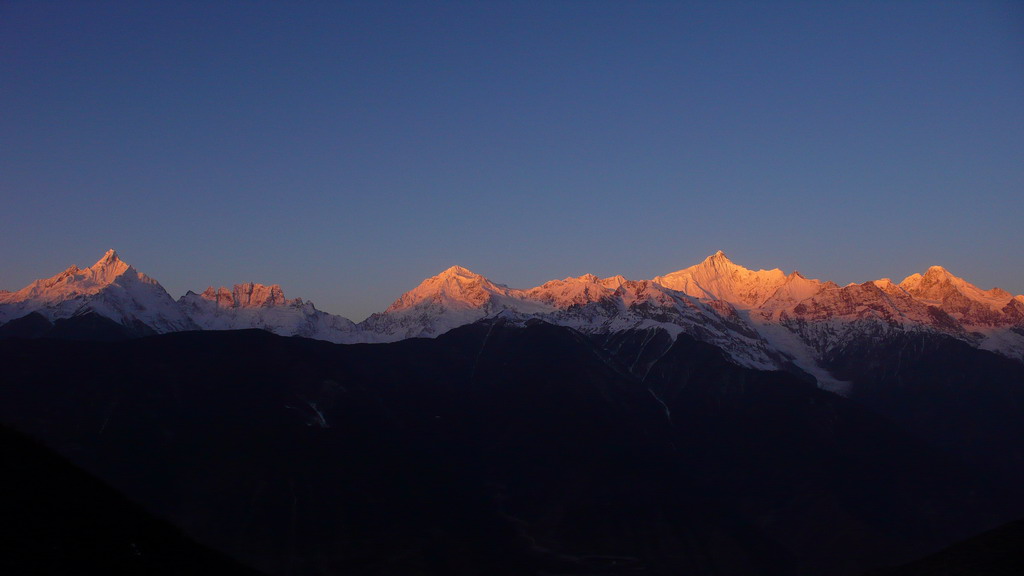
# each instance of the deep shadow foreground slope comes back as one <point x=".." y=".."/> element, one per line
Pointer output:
<point x="60" y="520"/>
<point x="997" y="552"/>
<point x="492" y="449"/>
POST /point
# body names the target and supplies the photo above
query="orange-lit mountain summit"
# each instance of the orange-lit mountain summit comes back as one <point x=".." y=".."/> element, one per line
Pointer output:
<point x="764" y="319"/>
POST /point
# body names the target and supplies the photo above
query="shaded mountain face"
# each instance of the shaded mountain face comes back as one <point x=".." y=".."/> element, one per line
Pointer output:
<point x="60" y="520"/>
<point x="496" y="449"/>
<point x="84" y="326"/>
<point x="819" y="461"/>
<point x="32" y="325"/>
<point x="969" y="402"/>
<point x="965" y="402"/>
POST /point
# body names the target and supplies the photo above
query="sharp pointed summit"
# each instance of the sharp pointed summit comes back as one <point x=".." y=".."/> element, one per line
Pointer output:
<point x="109" y="257"/>
<point x="110" y="288"/>
<point x="453" y="271"/>
<point x="455" y="297"/>
<point x="718" y="256"/>
<point x="718" y="261"/>
<point x="454" y="287"/>
<point x="108" y="268"/>
<point x="718" y="278"/>
<point x="933" y="276"/>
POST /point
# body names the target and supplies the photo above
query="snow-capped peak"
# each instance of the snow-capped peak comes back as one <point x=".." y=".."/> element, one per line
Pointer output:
<point x="458" y="271"/>
<point x="110" y="287"/>
<point x="956" y="296"/>
<point x="938" y="284"/>
<point x="795" y="288"/>
<point x="455" y="287"/>
<point x="107" y="268"/>
<point x="75" y="281"/>
<point x="574" y="291"/>
<point x="718" y="278"/>
<point x="935" y="281"/>
<point x="755" y="315"/>
<point x="110" y="257"/>
<point x="718" y="257"/>
<point x="252" y="305"/>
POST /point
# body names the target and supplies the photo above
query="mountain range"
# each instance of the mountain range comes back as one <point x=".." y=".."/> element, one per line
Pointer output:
<point x="676" y="425"/>
<point x="764" y="319"/>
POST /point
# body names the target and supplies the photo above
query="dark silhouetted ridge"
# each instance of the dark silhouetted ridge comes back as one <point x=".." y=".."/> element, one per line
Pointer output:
<point x="60" y="520"/>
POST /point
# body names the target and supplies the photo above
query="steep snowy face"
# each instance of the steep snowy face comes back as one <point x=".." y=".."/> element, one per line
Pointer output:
<point x="575" y="291"/>
<point x="456" y="287"/>
<point x="110" y="288"/>
<point x="794" y="289"/>
<point x="75" y="281"/>
<point x="717" y="278"/>
<point x="764" y="319"/>
<point x="964" y="301"/>
<point x="888" y="286"/>
<point x="807" y="320"/>
<point x="827" y="318"/>
<point x="453" y="298"/>
<point x="645" y="304"/>
<point x="586" y="303"/>
<point x="253" y="305"/>
<point x="836" y="314"/>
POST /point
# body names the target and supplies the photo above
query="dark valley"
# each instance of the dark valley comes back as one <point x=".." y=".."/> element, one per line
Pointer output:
<point x="520" y="449"/>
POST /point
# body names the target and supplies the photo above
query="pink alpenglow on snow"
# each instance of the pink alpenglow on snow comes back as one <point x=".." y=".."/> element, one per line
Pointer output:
<point x="765" y="319"/>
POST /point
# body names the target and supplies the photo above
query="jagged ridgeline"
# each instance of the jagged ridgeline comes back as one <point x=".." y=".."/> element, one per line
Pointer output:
<point x="681" y="425"/>
<point x="763" y="319"/>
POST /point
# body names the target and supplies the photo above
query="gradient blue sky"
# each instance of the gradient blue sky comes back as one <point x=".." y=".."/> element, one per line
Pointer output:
<point x="348" y="150"/>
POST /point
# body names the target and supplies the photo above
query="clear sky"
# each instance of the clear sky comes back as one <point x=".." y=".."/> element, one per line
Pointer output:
<point x="348" y="150"/>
